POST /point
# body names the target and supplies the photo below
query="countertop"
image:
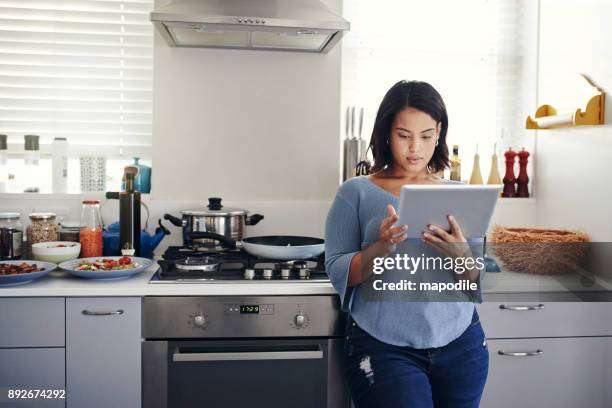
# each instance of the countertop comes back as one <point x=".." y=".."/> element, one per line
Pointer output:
<point x="62" y="284"/>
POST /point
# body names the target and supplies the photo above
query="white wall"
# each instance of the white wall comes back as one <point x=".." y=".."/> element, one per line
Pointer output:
<point x="245" y="125"/>
<point x="573" y="164"/>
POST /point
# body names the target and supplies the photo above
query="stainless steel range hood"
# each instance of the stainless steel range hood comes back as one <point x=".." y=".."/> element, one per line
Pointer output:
<point x="287" y="25"/>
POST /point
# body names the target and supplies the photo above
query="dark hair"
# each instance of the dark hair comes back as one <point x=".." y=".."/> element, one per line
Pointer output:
<point x="412" y="94"/>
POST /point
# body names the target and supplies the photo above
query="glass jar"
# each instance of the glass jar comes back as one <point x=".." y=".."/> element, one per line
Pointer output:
<point x="69" y="231"/>
<point x="11" y="236"/>
<point x="90" y="234"/>
<point x="42" y="228"/>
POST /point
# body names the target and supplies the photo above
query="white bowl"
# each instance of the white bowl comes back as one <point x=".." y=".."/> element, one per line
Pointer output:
<point x="56" y="251"/>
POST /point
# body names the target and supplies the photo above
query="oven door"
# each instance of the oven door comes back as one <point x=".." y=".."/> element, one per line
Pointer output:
<point x="301" y="373"/>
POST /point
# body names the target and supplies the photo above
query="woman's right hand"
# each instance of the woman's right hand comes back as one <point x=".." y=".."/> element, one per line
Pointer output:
<point x="389" y="234"/>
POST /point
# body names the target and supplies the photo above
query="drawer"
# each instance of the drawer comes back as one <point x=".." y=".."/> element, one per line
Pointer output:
<point x="551" y="319"/>
<point x="32" y="369"/>
<point x="552" y="372"/>
<point x="32" y="322"/>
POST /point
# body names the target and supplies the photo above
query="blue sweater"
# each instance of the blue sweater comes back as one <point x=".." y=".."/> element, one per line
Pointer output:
<point x="353" y="223"/>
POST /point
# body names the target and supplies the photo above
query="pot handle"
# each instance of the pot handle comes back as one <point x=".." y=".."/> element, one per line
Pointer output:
<point x="229" y="243"/>
<point x="253" y="219"/>
<point x="174" y="220"/>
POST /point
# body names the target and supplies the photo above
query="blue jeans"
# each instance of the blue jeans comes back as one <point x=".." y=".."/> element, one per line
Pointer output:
<point x="381" y="375"/>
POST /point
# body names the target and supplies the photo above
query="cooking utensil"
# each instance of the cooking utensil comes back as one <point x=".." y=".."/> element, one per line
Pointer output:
<point x="363" y="167"/>
<point x="352" y="154"/>
<point x="345" y="143"/>
<point x="278" y="247"/>
<point x="213" y="218"/>
<point x="284" y="247"/>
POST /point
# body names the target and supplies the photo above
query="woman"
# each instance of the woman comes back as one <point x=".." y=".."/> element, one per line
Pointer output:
<point x="402" y="354"/>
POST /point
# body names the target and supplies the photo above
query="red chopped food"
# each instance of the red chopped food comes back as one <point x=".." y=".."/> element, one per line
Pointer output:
<point x="125" y="260"/>
<point x="14" y="269"/>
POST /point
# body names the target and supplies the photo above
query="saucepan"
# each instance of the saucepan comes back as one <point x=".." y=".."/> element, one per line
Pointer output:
<point x="216" y="218"/>
<point x="278" y="247"/>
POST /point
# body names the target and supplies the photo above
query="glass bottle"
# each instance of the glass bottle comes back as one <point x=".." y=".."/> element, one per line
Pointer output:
<point x="32" y="157"/>
<point x="455" y="162"/>
<point x="11" y="236"/>
<point x="3" y="165"/>
<point x="90" y="234"/>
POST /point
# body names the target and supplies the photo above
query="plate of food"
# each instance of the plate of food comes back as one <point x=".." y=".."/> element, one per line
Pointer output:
<point x="23" y="271"/>
<point x="106" y="267"/>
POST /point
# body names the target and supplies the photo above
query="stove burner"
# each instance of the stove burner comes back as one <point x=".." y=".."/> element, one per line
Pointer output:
<point x="205" y="264"/>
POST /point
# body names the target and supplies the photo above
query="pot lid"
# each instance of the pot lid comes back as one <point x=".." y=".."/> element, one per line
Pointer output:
<point x="215" y="209"/>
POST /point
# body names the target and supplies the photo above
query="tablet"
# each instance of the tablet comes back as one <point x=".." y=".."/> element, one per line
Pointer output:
<point x="471" y="205"/>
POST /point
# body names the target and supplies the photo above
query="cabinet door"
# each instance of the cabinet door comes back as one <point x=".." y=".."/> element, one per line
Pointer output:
<point x="545" y="319"/>
<point x="31" y="322"/>
<point x="103" y="341"/>
<point x="568" y="373"/>
<point x="32" y="369"/>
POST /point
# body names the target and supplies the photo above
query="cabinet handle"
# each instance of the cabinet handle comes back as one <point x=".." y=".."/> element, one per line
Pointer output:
<point x="526" y="307"/>
<point x="538" y="352"/>
<point x="244" y="356"/>
<point x="102" y="313"/>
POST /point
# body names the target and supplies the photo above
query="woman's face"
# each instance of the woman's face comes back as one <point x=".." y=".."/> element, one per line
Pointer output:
<point x="413" y="139"/>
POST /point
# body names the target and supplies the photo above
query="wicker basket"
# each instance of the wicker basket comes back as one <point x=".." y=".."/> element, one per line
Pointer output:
<point x="540" y="251"/>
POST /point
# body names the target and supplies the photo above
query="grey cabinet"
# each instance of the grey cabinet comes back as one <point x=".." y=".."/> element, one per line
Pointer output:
<point x="555" y="354"/>
<point x="103" y="352"/>
<point x="31" y="322"/>
<point x="549" y="372"/>
<point x="32" y="355"/>
<point x="546" y="319"/>
<point x="32" y="369"/>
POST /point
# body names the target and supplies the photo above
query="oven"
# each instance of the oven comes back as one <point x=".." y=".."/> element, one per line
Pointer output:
<point x="243" y="351"/>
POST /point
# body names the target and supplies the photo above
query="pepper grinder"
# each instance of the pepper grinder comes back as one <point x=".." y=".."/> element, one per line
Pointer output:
<point x="509" y="179"/>
<point x="476" y="177"/>
<point x="494" y="174"/>
<point x="522" y="179"/>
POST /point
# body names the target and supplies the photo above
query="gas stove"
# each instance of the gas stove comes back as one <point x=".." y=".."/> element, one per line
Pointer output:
<point x="185" y="265"/>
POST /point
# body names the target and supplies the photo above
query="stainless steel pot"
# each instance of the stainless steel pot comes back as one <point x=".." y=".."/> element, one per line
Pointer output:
<point x="216" y="219"/>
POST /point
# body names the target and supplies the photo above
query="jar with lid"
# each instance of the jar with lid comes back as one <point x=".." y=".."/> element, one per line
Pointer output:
<point x="90" y="234"/>
<point x="11" y="236"/>
<point x="42" y="228"/>
<point x="69" y="231"/>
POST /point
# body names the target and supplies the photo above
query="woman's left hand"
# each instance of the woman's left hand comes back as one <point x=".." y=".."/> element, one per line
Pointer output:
<point x="452" y="242"/>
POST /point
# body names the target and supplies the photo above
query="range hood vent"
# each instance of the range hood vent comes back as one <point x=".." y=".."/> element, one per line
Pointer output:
<point x="285" y="25"/>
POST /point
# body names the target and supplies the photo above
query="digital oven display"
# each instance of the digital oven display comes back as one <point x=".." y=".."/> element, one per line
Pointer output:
<point x="249" y="309"/>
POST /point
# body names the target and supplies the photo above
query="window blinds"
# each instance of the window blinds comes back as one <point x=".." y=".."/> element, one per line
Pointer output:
<point x="80" y="69"/>
<point x="471" y="51"/>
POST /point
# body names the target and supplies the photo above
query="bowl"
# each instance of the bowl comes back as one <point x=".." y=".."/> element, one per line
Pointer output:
<point x="56" y="251"/>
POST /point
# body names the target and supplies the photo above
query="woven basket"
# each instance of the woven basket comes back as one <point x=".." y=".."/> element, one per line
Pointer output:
<point x="540" y="251"/>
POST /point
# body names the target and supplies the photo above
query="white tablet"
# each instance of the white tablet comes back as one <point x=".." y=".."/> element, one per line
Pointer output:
<point x="471" y="205"/>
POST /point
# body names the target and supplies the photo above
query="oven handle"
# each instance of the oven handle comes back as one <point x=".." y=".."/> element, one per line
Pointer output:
<point x="249" y="355"/>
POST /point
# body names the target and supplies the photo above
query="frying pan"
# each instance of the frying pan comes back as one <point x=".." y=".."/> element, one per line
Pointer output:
<point x="278" y="247"/>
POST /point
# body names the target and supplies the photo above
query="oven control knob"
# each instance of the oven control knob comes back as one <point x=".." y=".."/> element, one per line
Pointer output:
<point x="300" y="320"/>
<point x="200" y="321"/>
